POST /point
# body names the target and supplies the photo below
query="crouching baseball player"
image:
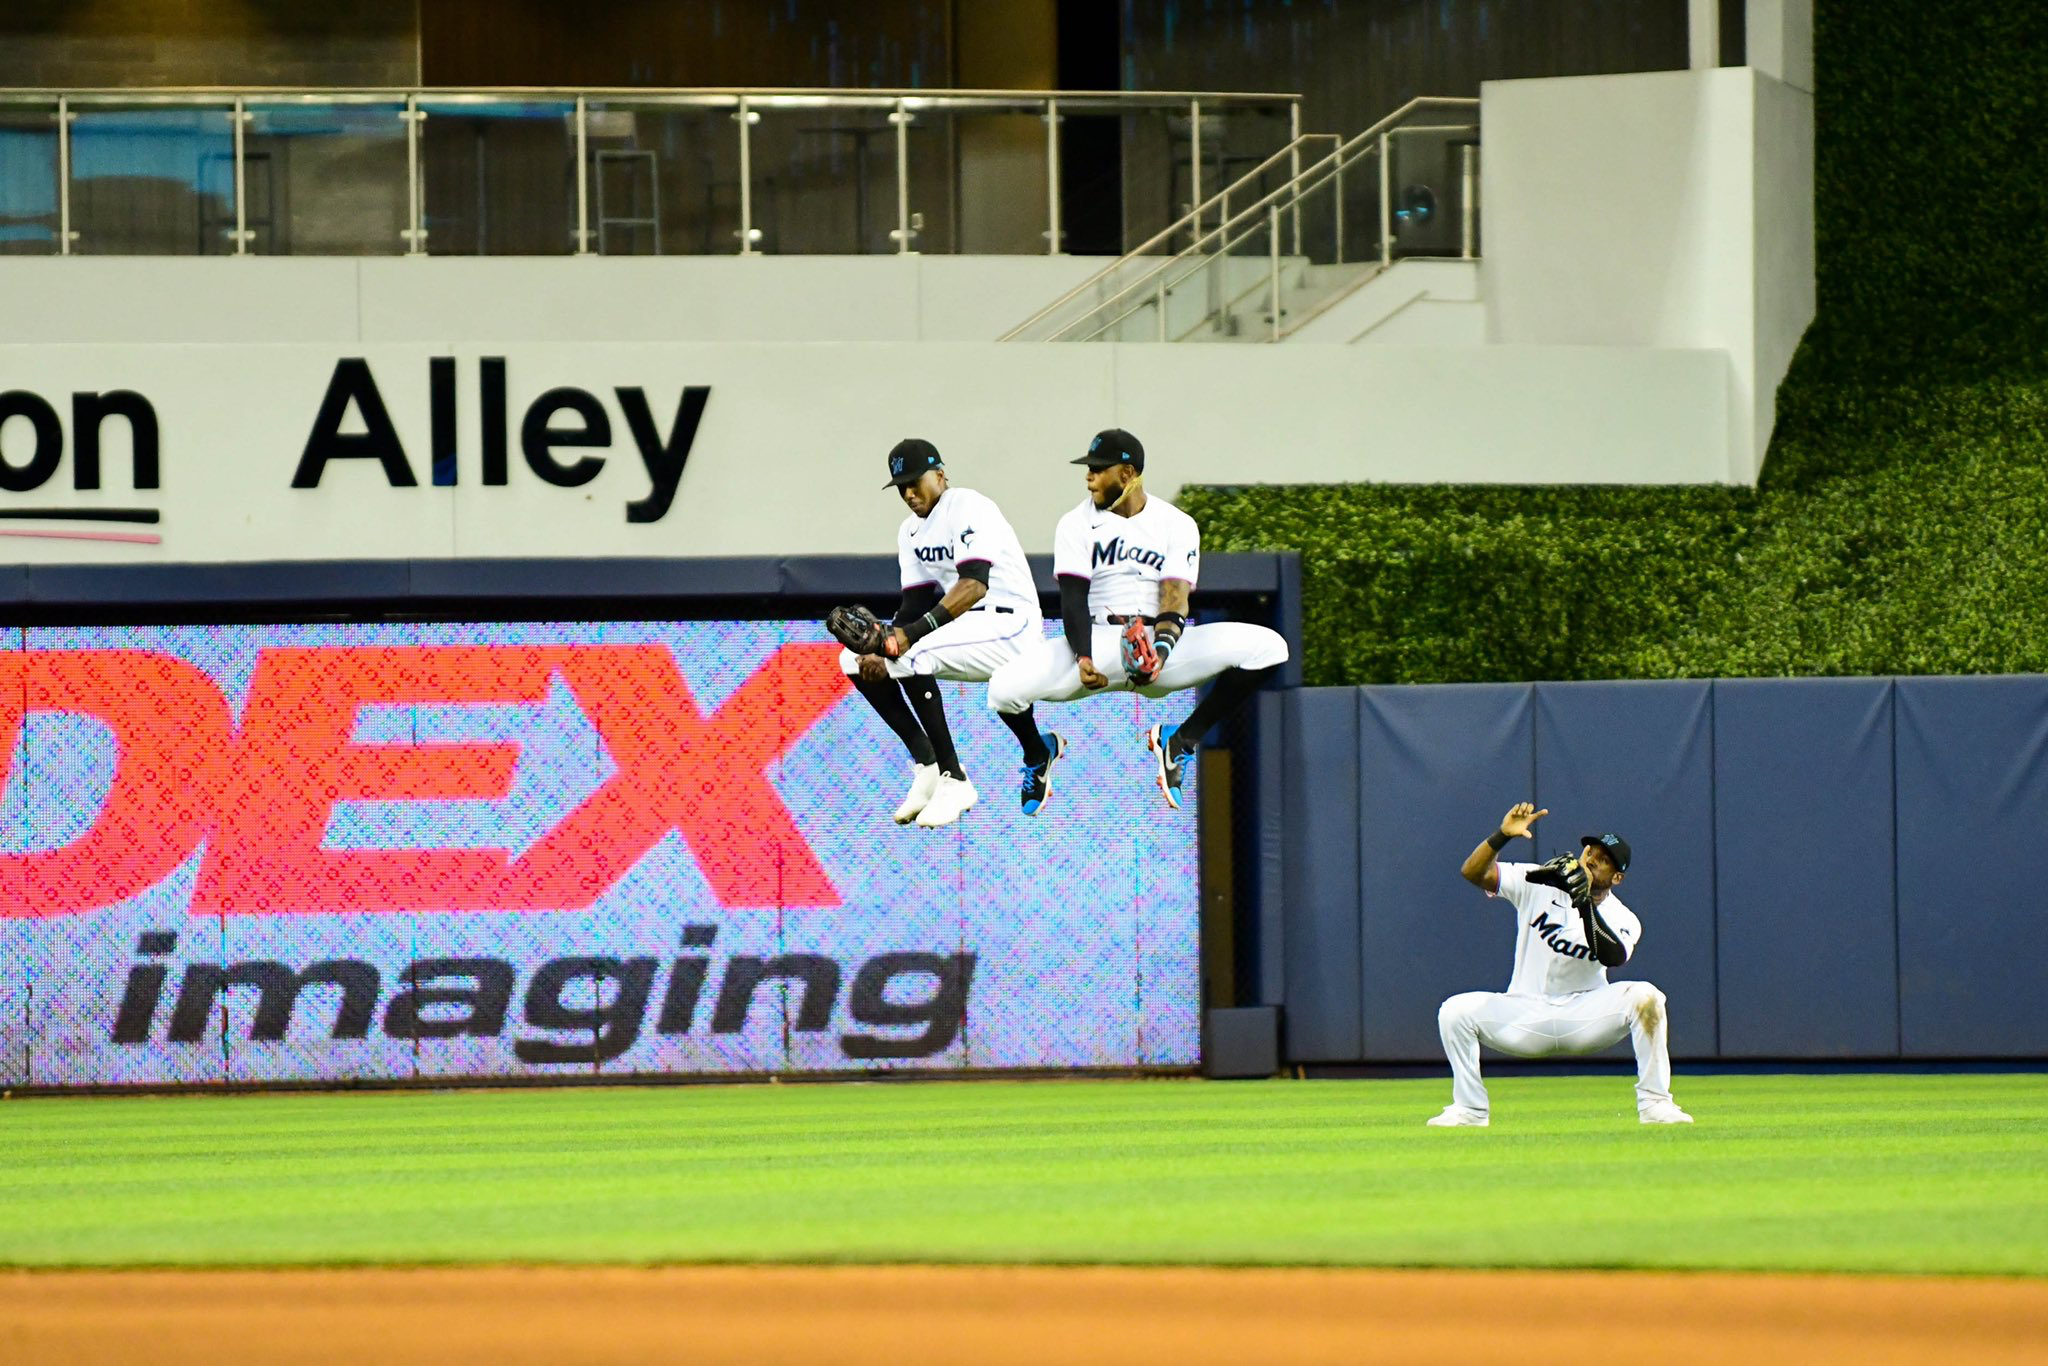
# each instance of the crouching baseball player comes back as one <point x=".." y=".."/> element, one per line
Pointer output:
<point x="1572" y="928"/>
<point x="1126" y="563"/>
<point x="968" y="607"/>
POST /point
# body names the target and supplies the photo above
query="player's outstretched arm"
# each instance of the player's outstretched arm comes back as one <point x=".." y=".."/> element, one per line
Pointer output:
<point x="1480" y="869"/>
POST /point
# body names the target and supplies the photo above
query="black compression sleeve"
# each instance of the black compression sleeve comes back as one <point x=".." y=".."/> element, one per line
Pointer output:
<point x="1607" y="947"/>
<point x="976" y="570"/>
<point x="916" y="602"/>
<point x="1074" y="615"/>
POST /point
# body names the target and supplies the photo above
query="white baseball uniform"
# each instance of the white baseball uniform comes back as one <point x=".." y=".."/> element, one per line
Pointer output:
<point x="1123" y="559"/>
<point x="1559" y="1000"/>
<point x="964" y="527"/>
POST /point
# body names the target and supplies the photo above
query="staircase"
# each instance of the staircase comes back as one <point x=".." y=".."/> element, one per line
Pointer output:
<point x="1344" y="212"/>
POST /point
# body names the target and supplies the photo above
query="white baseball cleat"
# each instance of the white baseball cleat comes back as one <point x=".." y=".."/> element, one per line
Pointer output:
<point x="1663" y="1112"/>
<point x="1458" y="1117"/>
<point x="920" y="795"/>
<point x="949" y="802"/>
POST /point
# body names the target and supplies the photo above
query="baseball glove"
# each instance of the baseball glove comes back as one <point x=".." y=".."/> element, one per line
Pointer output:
<point x="1565" y="874"/>
<point x="1142" y="660"/>
<point x="855" y="627"/>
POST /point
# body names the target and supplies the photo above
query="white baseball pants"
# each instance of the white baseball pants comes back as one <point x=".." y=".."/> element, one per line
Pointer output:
<point x="967" y="649"/>
<point x="1548" y="1026"/>
<point x="1050" y="673"/>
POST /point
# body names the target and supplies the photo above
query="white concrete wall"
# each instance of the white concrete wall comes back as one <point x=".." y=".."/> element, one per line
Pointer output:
<point x="1783" y="249"/>
<point x="1777" y="40"/>
<point x="1664" y="209"/>
<point x="790" y="454"/>
<point x="1423" y="301"/>
<point x="460" y="299"/>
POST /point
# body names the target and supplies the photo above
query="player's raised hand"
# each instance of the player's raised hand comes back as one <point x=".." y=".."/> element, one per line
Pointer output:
<point x="1520" y="817"/>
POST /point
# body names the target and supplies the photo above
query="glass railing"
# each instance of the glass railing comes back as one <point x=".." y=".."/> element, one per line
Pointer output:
<point x="1270" y="250"/>
<point x="616" y="172"/>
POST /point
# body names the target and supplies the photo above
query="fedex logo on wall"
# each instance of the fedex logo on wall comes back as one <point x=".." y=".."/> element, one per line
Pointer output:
<point x="256" y="797"/>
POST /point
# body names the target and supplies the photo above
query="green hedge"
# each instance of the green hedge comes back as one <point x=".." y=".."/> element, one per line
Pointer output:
<point x="1901" y="525"/>
<point x="1924" y="550"/>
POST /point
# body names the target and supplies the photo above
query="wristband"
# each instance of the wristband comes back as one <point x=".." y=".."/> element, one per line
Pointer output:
<point x="1499" y="840"/>
<point x="926" y="624"/>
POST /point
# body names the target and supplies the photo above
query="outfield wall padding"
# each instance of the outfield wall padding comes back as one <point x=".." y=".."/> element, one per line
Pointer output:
<point x="1821" y="865"/>
<point x="1972" y="797"/>
<point x="1320" y="922"/>
<point x="1803" y="804"/>
<point x="1430" y="760"/>
<point x="1637" y="758"/>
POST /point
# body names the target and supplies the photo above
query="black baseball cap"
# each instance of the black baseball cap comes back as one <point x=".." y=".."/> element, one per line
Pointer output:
<point x="1114" y="446"/>
<point x="908" y="461"/>
<point x="1615" y="845"/>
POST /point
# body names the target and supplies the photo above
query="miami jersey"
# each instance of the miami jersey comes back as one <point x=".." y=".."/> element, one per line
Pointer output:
<point x="1551" y="955"/>
<point x="963" y="527"/>
<point x="1124" y="558"/>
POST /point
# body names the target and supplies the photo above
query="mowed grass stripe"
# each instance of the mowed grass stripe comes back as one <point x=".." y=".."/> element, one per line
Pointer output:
<point x="1858" y="1172"/>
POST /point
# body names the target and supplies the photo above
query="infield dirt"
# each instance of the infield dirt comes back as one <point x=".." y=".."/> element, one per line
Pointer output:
<point x="1001" y="1315"/>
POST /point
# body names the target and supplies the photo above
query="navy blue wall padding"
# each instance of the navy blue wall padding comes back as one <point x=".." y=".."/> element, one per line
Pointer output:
<point x="1320" y="762"/>
<point x="1438" y="766"/>
<point x="1289" y="605"/>
<point x="1637" y="758"/>
<point x="1259" y="584"/>
<point x="608" y="578"/>
<point x="265" y="582"/>
<point x="1266" y="978"/>
<point x="1806" y="910"/>
<point x="1973" y="935"/>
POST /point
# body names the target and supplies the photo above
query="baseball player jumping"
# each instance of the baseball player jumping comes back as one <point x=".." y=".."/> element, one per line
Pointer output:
<point x="968" y="607"/>
<point x="1559" y="1001"/>
<point x="1126" y="563"/>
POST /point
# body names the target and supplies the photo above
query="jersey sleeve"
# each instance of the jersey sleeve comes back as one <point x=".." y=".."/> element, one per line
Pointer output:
<point x="1515" y="888"/>
<point x="1070" y="547"/>
<point x="981" y="530"/>
<point x="1622" y="921"/>
<point x="912" y="573"/>
<point x="1183" y="551"/>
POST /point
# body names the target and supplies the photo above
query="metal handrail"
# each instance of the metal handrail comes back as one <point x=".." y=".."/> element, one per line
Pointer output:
<point x="1229" y="305"/>
<point x="1171" y="231"/>
<point x="1326" y="168"/>
<point x="1354" y="148"/>
<point x="1272" y="281"/>
<point x="763" y="97"/>
<point x="745" y="103"/>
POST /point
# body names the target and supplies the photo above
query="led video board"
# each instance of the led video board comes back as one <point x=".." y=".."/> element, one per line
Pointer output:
<point x="242" y="853"/>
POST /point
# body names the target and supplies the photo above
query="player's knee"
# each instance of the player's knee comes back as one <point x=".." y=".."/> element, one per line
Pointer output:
<point x="1648" y="1004"/>
<point x="1005" y="698"/>
<point x="1456" y="1013"/>
<point x="1271" y="650"/>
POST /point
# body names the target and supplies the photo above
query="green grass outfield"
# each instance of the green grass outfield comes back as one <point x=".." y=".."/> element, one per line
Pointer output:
<point x="1856" y="1172"/>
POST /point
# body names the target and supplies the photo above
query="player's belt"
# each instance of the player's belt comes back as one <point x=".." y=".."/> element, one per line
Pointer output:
<point x="984" y="607"/>
<point x="1116" y="619"/>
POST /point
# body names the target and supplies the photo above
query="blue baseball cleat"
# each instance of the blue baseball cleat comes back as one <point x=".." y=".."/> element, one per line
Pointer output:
<point x="1159" y="740"/>
<point x="1038" y="777"/>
